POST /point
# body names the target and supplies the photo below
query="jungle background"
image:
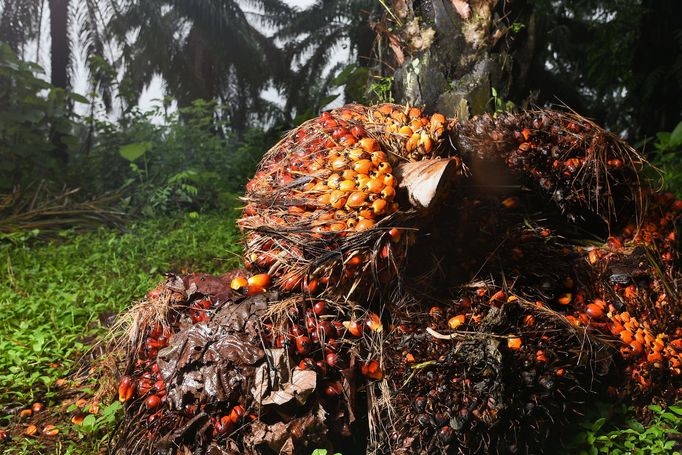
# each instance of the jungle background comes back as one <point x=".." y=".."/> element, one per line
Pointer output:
<point x="128" y="129"/>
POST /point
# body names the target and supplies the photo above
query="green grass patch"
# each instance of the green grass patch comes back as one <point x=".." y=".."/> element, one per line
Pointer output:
<point x="52" y="295"/>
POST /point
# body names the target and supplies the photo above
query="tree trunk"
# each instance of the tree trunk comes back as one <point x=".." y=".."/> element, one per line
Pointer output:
<point x="61" y="49"/>
<point x="60" y="57"/>
<point x="449" y="54"/>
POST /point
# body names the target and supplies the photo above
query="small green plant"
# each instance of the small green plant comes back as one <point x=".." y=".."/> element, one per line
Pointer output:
<point x="499" y="103"/>
<point x="618" y="432"/>
<point x="667" y="157"/>
<point x="381" y="91"/>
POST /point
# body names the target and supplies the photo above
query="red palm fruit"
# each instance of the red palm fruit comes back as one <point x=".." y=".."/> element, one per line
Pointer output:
<point x="355" y="328"/>
<point x="320" y="307"/>
<point x="144" y="386"/>
<point x="292" y="282"/>
<point x="594" y="311"/>
<point x="326" y="328"/>
<point x="152" y="402"/>
<point x="224" y="425"/>
<point x="302" y="344"/>
<point x="310" y="284"/>
<point x="236" y="414"/>
<point x="333" y="360"/>
<point x="253" y="290"/>
<point x="296" y="330"/>
<point x="262" y="280"/>
<point x="347" y="140"/>
<point x="307" y="364"/>
<point x="358" y="131"/>
<point x="160" y="387"/>
<point x="126" y="389"/>
<point x="333" y="389"/>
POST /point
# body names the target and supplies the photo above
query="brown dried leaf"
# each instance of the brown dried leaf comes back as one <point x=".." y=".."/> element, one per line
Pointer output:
<point x="302" y="384"/>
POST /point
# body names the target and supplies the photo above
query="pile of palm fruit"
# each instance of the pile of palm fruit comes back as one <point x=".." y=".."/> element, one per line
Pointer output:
<point x="414" y="284"/>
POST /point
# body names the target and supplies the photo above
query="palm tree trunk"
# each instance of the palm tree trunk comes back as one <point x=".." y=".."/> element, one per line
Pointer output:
<point x="60" y="57"/>
<point x="453" y="52"/>
<point x="61" y="49"/>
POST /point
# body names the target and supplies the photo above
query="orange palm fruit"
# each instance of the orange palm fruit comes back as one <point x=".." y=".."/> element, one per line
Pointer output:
<point x="456" y="321"/>
<point x="405" y="131"/>
<point x="357" y="199"/>
<point x="337" y="199"/>
<point x="378" y="157"/>
<point x="364" y="224"/>
<point x="514" y="343"/>
<point x="368" y="144"/>
<point x="375" y="185"/>
<point x="372" y="370"/>
<point x="262" y="279"/>
<point x="379" y="206"/>
<point x="389" y="180"/>
<point x="333" y="181"/>
<point x="363" y="166"/>
<point x="349" y="174"/>
<point x="388" y="193"/>
<point x="347" y="185"/>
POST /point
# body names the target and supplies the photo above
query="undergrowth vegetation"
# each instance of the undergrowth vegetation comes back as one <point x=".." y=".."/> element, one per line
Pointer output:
<point x="57" y="297"/>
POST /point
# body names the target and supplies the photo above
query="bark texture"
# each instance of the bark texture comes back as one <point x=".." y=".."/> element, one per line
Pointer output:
<point x="449" y="54"/>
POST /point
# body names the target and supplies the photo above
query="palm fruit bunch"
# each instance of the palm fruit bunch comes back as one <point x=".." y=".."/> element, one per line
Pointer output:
<point x="632" y="292"/>
<point x="487" y="373"/>
<point x="587" y="171"/>
<point x="323" y="207"/>
<point x="502" y="321"/>
<point x="244" y="371"/>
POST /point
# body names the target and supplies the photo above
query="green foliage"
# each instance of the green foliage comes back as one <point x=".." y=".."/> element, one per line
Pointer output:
<point x="667" y="157"/>
<point x="499" y="104"/>
<point x="186" y="161"/>
<point x="32" y="114"/>
<point x="615" y="430"/>
<point x="381" y="91"/>
<point x="54" y="294"/>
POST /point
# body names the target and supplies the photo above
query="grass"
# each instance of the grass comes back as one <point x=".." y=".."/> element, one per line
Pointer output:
<point x="53" y="295"/>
